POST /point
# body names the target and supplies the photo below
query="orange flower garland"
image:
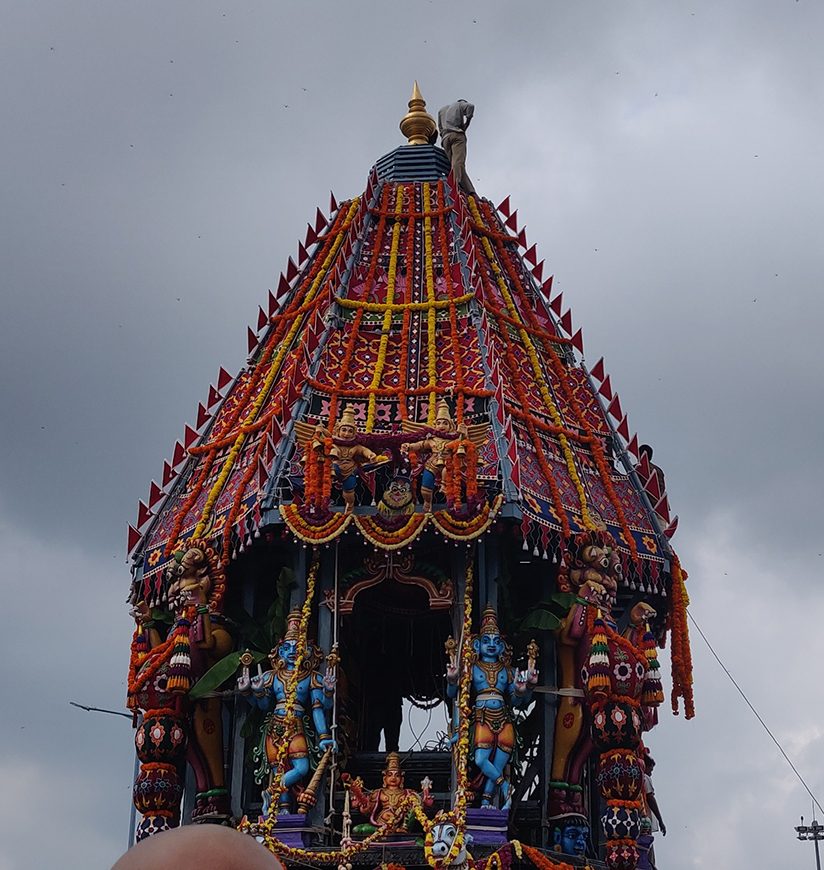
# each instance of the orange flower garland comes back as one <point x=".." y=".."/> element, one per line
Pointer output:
<point x="562" y="377"/>
<point x="680" y="653"/>
<point x="460" y="385"/>
<point x="222" y="436"/>
<point x="386" y="324"/>
<point x="542" y="861"/>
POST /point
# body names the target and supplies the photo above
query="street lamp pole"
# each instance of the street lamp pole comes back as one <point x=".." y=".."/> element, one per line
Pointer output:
<point x="814" y="832"/>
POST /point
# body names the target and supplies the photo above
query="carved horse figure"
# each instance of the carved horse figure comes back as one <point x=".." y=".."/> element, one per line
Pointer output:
<point x="447" y="844"/>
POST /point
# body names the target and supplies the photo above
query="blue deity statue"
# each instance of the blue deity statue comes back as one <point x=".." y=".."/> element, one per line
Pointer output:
<point x="570" y="834"/>
<point x="496" y="689"/>
<point x="313" y="698"/>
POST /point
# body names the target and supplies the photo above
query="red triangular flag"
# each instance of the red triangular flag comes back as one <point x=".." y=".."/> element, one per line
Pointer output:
<point x="189" y="436"/>
<point x="531" y="255"/>
<point x="223" y="378"/>
<point x="283" y="286"/>
<point x="606" y="388"/>
<point x="663" y="508"/>
<point x="546" y="288"/>
<point x="251" y="339"/>
<point x="577" y="341"/>
<point x="669" y="531"/>
<point x="538" y="271"/>
<point x="203" y="416"/>
<point x="303" y="254"/>
<point x="597" y="371"/>
<point x="272" y="304"/>
<point x="512" y="221"/>
<point x="155" y="494"/>
<point x="503" y="208"/>
<point x="556" y="303"/>
<point x="632" y="445"/>
<point x="263" y="475"/>
<point x="623" y="428"/>
<point x="143" y="514"/>
<point x="333" y="203"/>
<point x="320" y="220"/>
<point x="566" y="322"/>
<point x="178" y="455"/>
<point x="263" y="318"/>
<point x="169" y="474"/>
<point x="653" y="487"/>
<point x="522" y="238"/>
<point x="132" y="540"/>
<point x="643" y="468"/>
<point x="614" y="408"/>
<point x="311" y="236"/>
<point x="291" y="270"/>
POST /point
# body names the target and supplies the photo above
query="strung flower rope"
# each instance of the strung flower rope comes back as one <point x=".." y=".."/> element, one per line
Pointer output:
<point x="403" y="359"/>
<point x="530" y="422"/>
<point x="458" y="813"/>
<point x="460" y="384"/>
<point x="271" y="377"/>
<point x="567" y="390"/>
<point x="543" y="387"/>
<point x="219" y="439"/>
<point x="680" y="653"/>
<point x="431" y="316"/>
<point x="387" y="317"/>
<point x="352" y="340"/>
<point x="544" y="862"/>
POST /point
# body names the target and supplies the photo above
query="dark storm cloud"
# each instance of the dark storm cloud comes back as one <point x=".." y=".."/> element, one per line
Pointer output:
<point x="159" y="165"/>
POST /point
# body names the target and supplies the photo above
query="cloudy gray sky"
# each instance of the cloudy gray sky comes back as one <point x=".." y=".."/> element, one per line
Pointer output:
<point x="158" y="164"/>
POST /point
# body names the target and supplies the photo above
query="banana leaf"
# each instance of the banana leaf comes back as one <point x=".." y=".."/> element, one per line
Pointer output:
<point x="548" y="615"/>
<point x="220" y="672"/>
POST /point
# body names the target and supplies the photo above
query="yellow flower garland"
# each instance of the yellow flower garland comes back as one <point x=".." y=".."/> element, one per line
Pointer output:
<point x="274" y="371"/>
<point x="536" y="369"/>
<point x="379" y="307"/>
<point x="431" y="361"/>
<point x="387" y="317"/>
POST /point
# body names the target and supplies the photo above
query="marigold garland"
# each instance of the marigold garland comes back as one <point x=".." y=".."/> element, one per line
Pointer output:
<point x="680" y="653"/>
<point x="542" y="861"/>
<point x="387" y="317"/>
<point x="310" y="533"/>
<point x="460" y="384"/>
<point x="562" y="376"/>
<point x="431" y="316"/>
<point x="275" y="350"/>
<point x="540" y="380"/>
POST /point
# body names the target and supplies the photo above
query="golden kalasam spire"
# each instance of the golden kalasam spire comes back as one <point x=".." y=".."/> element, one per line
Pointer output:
<point x="417" y="124"/>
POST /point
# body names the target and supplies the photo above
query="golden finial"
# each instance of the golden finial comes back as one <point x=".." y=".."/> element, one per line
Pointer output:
<point x="417" y="124"/>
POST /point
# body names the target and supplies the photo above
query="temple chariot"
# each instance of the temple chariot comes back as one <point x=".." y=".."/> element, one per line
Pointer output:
<point x="399" y="596"/>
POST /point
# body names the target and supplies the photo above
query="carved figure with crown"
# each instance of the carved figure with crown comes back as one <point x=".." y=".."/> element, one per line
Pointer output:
<point x="313" y="694"/>
<point x="388" y="807"/>
<point x="497" y="688"/>
<point x="436" y="445"/>
<point x="593" y="572"/>
<point x="348" y="455"/>
<point x="175" y="725"/>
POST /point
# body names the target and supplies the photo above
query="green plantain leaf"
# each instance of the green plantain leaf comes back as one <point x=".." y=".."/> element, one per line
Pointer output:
<point x="541" y="620"/>
<point x="219" y="673"/>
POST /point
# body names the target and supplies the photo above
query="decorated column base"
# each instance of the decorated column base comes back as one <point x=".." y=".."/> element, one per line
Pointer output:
<point x="487" y="825"/>
<point x="292" y="830"/>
